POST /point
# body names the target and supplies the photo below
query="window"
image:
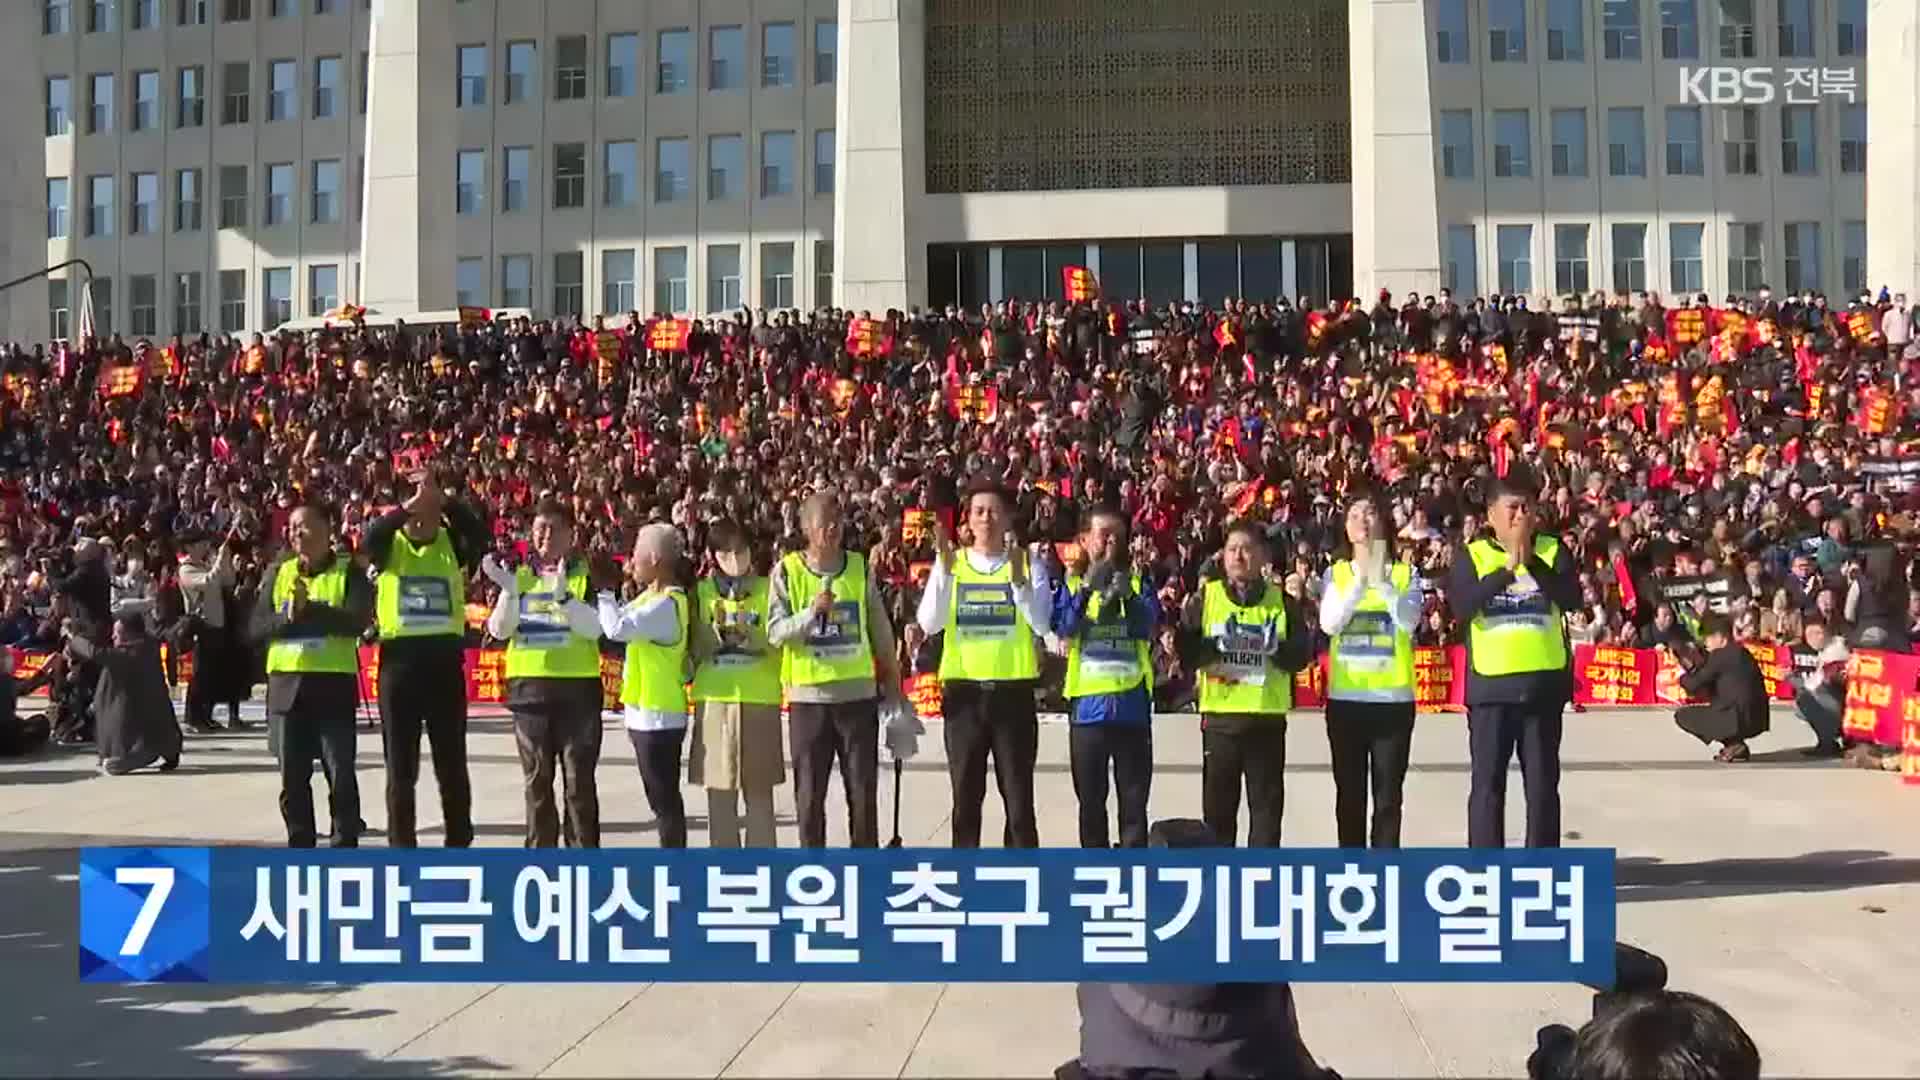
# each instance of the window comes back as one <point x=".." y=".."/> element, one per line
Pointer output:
<point x="1850" y="30"/>
<point x="1456" y="144"/>
<point x="56" y="18"/>
<point x="279" y="91"/>
<point x="233" y="196"/>
<point x="186" y="200"/>
<point x="1570" y="273"/>
<point x="1736" y="30"/>
<point x="621" y="185"/>
<point x="569" y="283"/>
<point x="1684" y="137"/>
<point x="99" y="104"/>
<point x="823" y="161"/>
<point x="776" y="275"/>
<point x="777" y="47"/>
<point x="1566" y="30"/>
<point x="323" y="289"/>
<point x="569" y="176"/>
<point x="192" y="12"/>
<point x="726" y="58"/>
<point x="143" y="316"/>
<point x="279" y="9"/>
<point x="1629" y="243"/>
<point x="1507" y="31"/>
<point x="100" y="291"/>
<point x="236" y="85"/>
<point x="726" y="166"/>
<point x="1746" y="264"/>
<point x="1740" y="134"/>
<point x="1620" y="29"/>
<point x="1802" y="252"/>
<point x="569" y="72"/>
<point x="186" y="303"/>
<point x="1796" y="29"/>
<point x="59" y="104"/>
<point x="99" y="206"/>
<point x="59" y="311"/>
<point x="326" y="87"/>
<point x="471" y="89"/>
<point x="470" y="181"/>
<point x="1512" y="142"/>
<point x="233" y="301"/>
<point x="520" y="74"/>
<point x="323" y="7"/>
<point x="516" y="281"/>
<point x="670" y="291"/>
<point x="145" y="13"/>
<point x="102" y="18"/>
<point x="1853" y="256"/>
<point x="146" y="101"/>
<point x="776" y="164"/>
<point x="822" y="273"/>
<point x="623" y="65"/>
<point x="676" y="62"/>
<point x="1569" y="128"/>
<point x="672" y="168"/>
<point x="1626" y="141"/>
<point x="723" y="277"/>
<point x="470" y="282"/>
<point x="192" y="111"/>
<point x="1853" y="138"/>
<point x="515" y="163"/>
<point x="276" y="295"/>
<point x="279" y="204"/>
<point x="326" y="192"/>
<point x="826" y="51"/>
<point x="1799" y="149"/>
<point x="1450" y="40"/>
<point x="617" y="282"/>
<point x="1514" y="243"/>
<point x="1679" y="30"/>
<point x="144" y="210"/>
<point x="57" y="199"/>
<point x="236" y="10"/>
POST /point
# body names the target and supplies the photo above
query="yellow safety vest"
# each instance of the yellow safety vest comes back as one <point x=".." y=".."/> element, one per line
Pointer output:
<point x="543" y="645"/>
<point x="987" y="636"/>
<point x="1243" y="679"/>
<point x="325" y="654"/>
<point x="1371" y="655"/>
<point x="747" y="671"/>
<point x="1520" y="631"/>
<point x="420" y="592"/>
<point x="1103" y="658"/>
<point x="655" y="675"/>
<point x="838" y="651"/>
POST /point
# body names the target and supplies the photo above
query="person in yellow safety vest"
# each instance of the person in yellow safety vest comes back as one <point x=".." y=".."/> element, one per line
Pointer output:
<point x="553" y="675"/>
<point x="987" y="601"/>
<point x="423" y="552"/>
<point x="311" y="609"/>
<point x="736" y="746"/>
<point x="653" y="682"/>
<point x="1107" y="621"/>
<point x="1246" y="638"/>
<point x="1512" y="591"/>
<point x="1369" y="607"/>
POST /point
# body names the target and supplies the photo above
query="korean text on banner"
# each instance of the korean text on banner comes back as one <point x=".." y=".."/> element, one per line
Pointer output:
<point x="1879" y="685"/>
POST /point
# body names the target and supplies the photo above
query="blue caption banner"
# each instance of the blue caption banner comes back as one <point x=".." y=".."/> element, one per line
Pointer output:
<point x="250" y="915"/>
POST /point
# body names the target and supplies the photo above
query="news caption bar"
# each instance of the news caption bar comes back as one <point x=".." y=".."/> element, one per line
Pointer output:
<point x="244" y="915"/>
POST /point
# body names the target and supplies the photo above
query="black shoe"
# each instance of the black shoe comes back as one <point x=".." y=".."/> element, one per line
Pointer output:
<point x="238" y="724"/>
<point x="170" y="764"/>
<point x="1823" y="750"/>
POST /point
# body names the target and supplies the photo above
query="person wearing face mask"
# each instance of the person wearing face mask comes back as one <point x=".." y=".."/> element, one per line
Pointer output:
<point x="653" y="681"/>
<point x="736" y="753"/>
<point x="310" y="612"/>
<point x="1511" y="591"/>
<point x="553" y="675"/>
<point x="1369" y="606"/>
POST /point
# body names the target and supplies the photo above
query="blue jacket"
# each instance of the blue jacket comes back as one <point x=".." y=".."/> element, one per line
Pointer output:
<point x="1134" y="707"/>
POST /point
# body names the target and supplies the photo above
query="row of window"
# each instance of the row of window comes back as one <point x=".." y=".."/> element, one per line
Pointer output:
<point x="672" y="282"/>
<point x="190" y="96"/>
<point x="1801" y="252"/>
<point x="674" y="64"/>
<point x="620" y="184"/>
<point x="1736" y="27"/>
<point x="187" y="298"/>
<point x="278" y="195"/>
<point x="103" y="16"/>
<point x="1626" y="142"/>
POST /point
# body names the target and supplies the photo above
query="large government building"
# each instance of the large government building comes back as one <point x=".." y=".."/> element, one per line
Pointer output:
<point x="231" y="164"/>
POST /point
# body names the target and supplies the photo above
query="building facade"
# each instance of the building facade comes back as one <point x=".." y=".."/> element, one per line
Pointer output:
<point x="228" y="164"/>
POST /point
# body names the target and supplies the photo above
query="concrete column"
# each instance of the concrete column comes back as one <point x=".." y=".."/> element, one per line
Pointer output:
<point x="392" y="227"/>
<point x="1396" y="233"/>
<point x="1893" y="137"/>
<point x="23" y="179"/>
<point x="879" y="125"/>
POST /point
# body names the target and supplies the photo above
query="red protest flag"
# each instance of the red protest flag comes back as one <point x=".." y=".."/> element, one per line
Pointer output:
<point x="669" y="335"/>
<point x="121" y="380"/>
<point x="1223" y="334"/>
<point x="863" y="337"/>
<point x="1079" y="284"/>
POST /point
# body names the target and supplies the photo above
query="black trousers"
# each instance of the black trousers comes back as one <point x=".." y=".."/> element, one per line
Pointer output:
<point x="567" y="736"/>
<point x="1371" y="744"/>
<point x="208" y="679"/>
<point x="818" y="733"/>
<point x="1494" y="733"/>
<point x="996" y="719"/>
<point x="425" y="693"/>
<point x="1128" y="748"/>
<point x="1708" y="723"/>
<point x="302" y="736"/>
<point x="658" y="755"/>
<point x="1822" y="712"/>
<point x="1251" y="752"/>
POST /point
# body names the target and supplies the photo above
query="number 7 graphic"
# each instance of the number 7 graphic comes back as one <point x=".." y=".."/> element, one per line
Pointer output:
<point x="161" y="880"/>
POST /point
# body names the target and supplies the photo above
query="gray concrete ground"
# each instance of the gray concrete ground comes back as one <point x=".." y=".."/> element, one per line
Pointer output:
<point x="1784" y="889"/>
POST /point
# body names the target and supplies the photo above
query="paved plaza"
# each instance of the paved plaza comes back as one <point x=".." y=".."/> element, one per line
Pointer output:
<point x="1789" y="891"/>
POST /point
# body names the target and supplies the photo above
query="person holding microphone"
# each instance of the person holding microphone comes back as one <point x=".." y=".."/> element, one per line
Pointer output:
<point x="1369" y="608"/>
<point x="653" y="681"/>
<point x="736" y="748"/>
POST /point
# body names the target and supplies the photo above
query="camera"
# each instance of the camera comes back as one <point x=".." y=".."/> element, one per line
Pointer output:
<point x="1635" y="971"/>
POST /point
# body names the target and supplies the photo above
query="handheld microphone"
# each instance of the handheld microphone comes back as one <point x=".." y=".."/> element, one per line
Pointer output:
<point x="823" y="622"/>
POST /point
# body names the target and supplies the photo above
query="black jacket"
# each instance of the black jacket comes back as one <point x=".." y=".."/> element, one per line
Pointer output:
<point x="1731" y="678"/>
<point x="1224" y="1031"/>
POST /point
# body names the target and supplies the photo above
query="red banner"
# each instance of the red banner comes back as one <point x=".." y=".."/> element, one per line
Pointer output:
<point x="1079" y="284"/>
<point x="980" y="404"/>
<point x="863" y="337"/>
<point x="669" y="335"/>
<point x="1880" y="694"/>
<point x="118" y="380"/>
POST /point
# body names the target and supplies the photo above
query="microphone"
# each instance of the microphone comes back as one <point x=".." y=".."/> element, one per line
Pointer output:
<point x="823" y="622"/>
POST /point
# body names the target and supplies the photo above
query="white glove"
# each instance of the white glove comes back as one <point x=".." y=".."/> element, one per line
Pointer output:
<point x="901" y="730"/>
<point x="491" y="569"/>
